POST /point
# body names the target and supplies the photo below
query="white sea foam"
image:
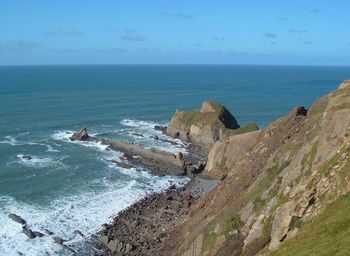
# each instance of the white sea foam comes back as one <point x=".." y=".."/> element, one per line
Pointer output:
<point x="38" y="162"/>
<point x="85" y="212"/>
<point x="14" y="142"/>
<point x="66" y="134"/>
<point x="146" y="128"/>
<point x="51" y="149"/>
<point x="9" y="140"/>
<point x="138" y="123"/>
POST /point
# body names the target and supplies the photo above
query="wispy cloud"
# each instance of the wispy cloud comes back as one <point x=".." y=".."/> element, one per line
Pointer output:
<point x="219" y="38"/>
<point x="307" y="42"/>
<point x="292" y="30"/>
<point x="269" y="35"/>
<point x="131" y="35"/>
<point x="64" y="31"/>
<point x="180" y="15"/>
<point x="18" y="46"/>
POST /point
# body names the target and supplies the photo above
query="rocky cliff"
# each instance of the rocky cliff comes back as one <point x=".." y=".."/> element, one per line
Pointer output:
<point x="284" y="190"/>
<point x="205" y="126"/>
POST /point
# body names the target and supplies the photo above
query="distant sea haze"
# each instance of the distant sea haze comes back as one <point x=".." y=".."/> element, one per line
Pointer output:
<point x="73" y="185"/>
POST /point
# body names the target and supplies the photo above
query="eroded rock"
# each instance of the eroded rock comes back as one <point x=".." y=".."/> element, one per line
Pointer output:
<point x="17" y="218"/>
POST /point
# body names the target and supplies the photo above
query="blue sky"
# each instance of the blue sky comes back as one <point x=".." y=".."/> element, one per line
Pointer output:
<point x="299" y="32"/>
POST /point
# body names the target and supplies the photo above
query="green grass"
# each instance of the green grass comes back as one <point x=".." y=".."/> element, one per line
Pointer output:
<point x="190" y="118"/>
<point x="209" y="239"/>
<point x="245" y="129"/>
<point x="327" y="234"/>
<point x="227" y="223"/>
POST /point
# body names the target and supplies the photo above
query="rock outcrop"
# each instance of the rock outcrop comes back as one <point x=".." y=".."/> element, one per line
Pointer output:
<point x="81" y="135"/>
<point x="202" y="127"/>
<point x="276" y="183"/>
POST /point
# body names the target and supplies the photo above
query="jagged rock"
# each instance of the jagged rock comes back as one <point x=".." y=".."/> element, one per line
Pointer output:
<point x="48" y="232"/>
<point x="255" y="231"/>
<point x="281" y="223"/>
<point x="80" y="135"/>
<point x="298" y="111"/>
<point x="58" y="240"/>
<point x="38" y="234"/>
<point x="202" y="127"/>
<point x="26" y="157"/>
<point x="28" y="232"/>
<point x="160" y="128"/>
<point x="17" y="218"/>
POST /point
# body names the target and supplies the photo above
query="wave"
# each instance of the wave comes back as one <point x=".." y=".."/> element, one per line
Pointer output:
<point x="14" y="142"/>
<point x="143" y="132"/>
<point x="85" y="212"/>
<point x="10" y="140"/>
<point x="38" y="162"/>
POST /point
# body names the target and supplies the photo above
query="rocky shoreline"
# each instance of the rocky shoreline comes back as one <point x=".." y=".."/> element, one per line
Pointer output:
<point x="142" y="228"/>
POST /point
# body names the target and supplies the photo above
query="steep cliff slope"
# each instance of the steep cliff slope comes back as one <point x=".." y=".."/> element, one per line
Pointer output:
<point x="280" y="187"/>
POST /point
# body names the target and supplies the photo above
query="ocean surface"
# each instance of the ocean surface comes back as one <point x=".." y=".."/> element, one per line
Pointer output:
<point x="72" y="185"/>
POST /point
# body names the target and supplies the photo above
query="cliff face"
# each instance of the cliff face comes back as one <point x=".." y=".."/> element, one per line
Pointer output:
<point x="205" y="126"/>
<point x="279" y="188"/>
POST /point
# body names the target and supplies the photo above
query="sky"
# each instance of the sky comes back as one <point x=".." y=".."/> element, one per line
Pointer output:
<point x="271" y="32"/>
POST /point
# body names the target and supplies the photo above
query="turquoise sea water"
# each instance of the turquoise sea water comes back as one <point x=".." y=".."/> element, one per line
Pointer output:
<point x="72" y="185"/>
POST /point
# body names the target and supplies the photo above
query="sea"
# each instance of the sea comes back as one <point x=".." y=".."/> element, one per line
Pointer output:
<point x="68" y="186"/>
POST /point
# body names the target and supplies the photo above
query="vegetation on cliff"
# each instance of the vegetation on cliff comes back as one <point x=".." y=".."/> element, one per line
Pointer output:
<point x="284" y="189"/>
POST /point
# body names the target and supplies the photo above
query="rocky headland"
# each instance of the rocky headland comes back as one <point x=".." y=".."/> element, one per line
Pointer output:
<point x="281" y="190"/>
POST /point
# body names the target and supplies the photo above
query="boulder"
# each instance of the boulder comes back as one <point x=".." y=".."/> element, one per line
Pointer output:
<point x="58" y="240"/>
<point x="204" y="126"/>
<point x="298" y="111"/>
<point x="17" y="218"/>
<point x="80" y="135"/>
<point x="160" y="128"/>
<point x="28" y="232"/>
<point x="26" y="157"/>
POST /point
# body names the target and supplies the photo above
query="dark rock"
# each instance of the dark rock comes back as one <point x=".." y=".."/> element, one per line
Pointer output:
<point x="38" y="234"/>
<point x="223" y="177"/>
<point x="27" y="157"/>
<point x="17" y="218"/>
<point x="299" y="111"/>
<point x="137" y="134"/>
<point x="58" y="240"/>
<point x="28" y="232"/>
<point x="80" y="135"/>
<point x="78" y="232"/>
<point x="48" y="232"/>
<point x="160" y="128"/>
